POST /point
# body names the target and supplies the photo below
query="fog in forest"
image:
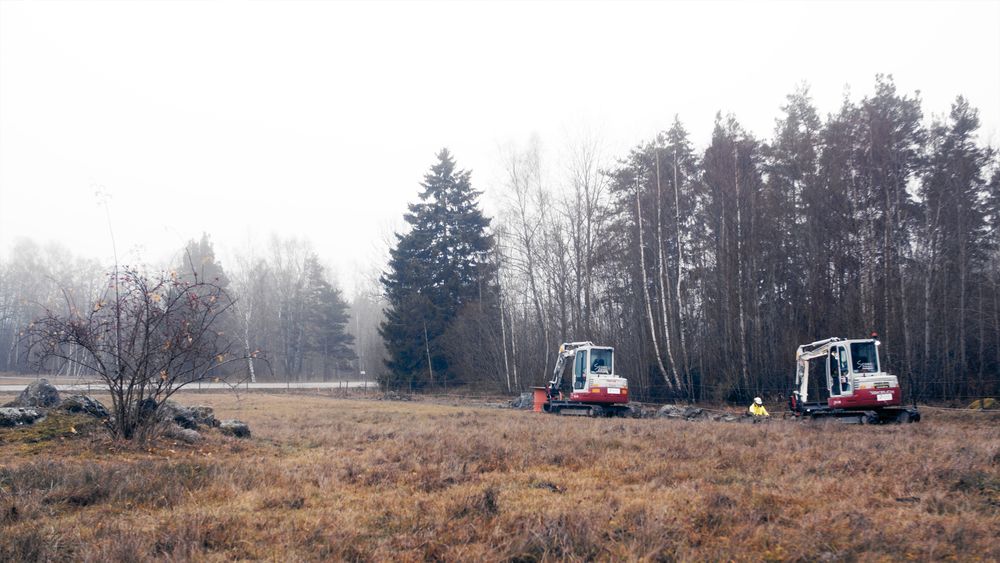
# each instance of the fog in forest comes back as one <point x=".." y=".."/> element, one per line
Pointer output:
<point x="703" y="186"/>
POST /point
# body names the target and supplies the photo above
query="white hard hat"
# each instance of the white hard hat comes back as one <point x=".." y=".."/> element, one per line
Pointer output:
<point x="758" y="401"/>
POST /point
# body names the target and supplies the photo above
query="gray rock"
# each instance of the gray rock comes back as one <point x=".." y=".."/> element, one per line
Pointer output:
<point x="85" y="405"/>
<point x="235" y="428"/>
<point x="669" y="411"/>
<point x="16" y="416"/>
<point x="40" y="393"/>
<point x="204" y="416"/>
<point x="178" y="414"/>
<point x="172" y="412"/>
<point x="524" y="401"/>
<point x="147" y="408"/>
<point x="674" y="411"/>
<point x="185" y="435"/>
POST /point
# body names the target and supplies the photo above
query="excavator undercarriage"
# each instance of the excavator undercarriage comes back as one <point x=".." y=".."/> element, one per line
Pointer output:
<point x="593" y="388"/>
<point x="844" y="379"/>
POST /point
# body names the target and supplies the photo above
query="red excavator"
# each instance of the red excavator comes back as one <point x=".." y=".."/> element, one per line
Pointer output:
<point x="843" y="378"/>
<point x="593" y="389"/>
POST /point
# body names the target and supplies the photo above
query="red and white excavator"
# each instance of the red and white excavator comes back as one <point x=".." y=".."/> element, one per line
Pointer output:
<point x="844" y="379"/>
<point x="593" y="388"/>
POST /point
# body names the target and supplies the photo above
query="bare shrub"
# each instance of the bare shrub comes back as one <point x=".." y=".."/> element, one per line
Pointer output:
<point x="146" y="337"/>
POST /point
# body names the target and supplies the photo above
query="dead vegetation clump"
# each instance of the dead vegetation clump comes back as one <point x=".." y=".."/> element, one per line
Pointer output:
<point x="371" y="480"/>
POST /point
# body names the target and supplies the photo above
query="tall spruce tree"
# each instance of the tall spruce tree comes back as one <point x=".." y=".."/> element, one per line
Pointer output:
<point x="326" y="337"/>
<point x="440" y="266"/>
<point x="198" y="263"/>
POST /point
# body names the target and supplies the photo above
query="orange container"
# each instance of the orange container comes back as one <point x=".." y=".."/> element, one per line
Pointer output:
<point x="540" y="398"/>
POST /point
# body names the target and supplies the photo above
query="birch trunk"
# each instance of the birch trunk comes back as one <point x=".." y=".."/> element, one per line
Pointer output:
<point x="664" y="295"/>
<point x="427" y="348"/>
<point x="680" y="278"/>
<point x="503" y="338"/>
<point x="645" y="291"/>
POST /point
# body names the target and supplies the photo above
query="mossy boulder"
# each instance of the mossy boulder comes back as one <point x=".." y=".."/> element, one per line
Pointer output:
<point x="18" y="416"/>
<point x="40" y="393"/>
<point x="83" y="404"/>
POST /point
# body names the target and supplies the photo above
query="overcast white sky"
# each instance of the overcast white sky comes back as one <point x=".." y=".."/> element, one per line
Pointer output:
<point x="318" y="120"/>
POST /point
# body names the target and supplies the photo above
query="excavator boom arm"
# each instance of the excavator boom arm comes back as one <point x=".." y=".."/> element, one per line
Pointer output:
<point x="567" y="350"/>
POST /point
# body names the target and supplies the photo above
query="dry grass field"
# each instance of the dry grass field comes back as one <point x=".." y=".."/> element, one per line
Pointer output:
<point x="335" y="479"/>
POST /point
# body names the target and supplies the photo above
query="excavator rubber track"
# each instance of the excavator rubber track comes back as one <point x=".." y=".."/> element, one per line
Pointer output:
<point x="573" y="408"/>
<point x="887" y="415"/>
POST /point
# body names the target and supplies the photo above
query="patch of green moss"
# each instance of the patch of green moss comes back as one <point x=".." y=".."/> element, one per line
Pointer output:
<point x="55" y="425"/>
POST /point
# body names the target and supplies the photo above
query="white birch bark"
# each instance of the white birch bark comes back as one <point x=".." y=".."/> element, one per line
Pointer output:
<point x="664" y="295"/>
<point x="645" y="291"/>
<point x="680" y="277"/>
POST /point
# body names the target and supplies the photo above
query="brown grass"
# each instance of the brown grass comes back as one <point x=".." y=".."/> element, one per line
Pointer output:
<point x="325" y="478"/>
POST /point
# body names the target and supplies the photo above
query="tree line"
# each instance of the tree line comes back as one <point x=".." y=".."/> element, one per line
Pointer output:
<point x="287" y="315"/>
<point x="707" y="266"/>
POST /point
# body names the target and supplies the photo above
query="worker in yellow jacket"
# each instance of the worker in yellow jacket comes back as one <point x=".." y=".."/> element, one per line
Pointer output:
<point x="757" y="409"/>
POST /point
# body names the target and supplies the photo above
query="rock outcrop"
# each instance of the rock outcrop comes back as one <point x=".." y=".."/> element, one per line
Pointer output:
<point x="524" y="401"/>
<point x="83" y="404"/>
<point x="204" y="416"/>
<point x="188" y="417"/>
<point x="182" y="422"/>
<point x="16" y="416"/>
<point x="235" y="428"/>
<point x="39" y="393"/>
<point x="185" y="435"/>
<point x="695" y="413"/>
<point x="674" y="411"/>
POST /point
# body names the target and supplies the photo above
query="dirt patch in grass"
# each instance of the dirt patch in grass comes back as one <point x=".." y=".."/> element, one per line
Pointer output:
<point x="325" y="478"/>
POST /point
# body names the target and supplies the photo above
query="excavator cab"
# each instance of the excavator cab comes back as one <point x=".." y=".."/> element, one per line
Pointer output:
<point x="591" y="362"/>
<point x="592" y="386"/>
<point x="843" y="377"/>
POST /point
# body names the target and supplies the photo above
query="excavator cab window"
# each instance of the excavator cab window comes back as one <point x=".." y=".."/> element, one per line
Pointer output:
<point x="845" y="370"/>
<point x="600" y="361"/>
<point x="865" y="357"/>
<point x="834" y="373"/>
<point x="580" y="370"/>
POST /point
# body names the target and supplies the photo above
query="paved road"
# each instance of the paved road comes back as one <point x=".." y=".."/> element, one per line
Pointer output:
<point x="203" y="386"/>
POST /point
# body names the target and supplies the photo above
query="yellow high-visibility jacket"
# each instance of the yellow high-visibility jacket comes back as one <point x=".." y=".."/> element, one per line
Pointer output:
<point x="758" y="410"/>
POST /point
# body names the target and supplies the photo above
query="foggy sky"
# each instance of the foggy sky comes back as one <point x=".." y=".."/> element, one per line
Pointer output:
<point x="319" y="120"/>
